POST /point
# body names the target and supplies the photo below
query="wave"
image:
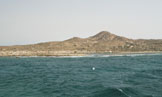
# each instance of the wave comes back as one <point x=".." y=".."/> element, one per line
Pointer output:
<point x="96" y="55"/>
<point x="111" y="92"/>
<point x="120" y="92"/>
<point x="120" y="55"/>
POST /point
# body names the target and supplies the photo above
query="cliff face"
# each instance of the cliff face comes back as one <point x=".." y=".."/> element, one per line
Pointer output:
<point x="102" y="42"/>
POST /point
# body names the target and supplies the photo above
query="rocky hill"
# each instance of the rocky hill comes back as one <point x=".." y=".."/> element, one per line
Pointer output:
<point x="103" y="42"/>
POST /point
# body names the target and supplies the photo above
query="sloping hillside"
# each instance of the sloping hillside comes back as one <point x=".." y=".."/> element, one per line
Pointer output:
<point x="103" y="42"/>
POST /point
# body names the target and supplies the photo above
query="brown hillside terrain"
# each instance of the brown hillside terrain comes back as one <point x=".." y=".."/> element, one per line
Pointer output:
<point x="103" y="42"/>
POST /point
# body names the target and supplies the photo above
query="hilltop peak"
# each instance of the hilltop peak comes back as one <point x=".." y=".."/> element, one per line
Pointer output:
<point x="104" y="36"/>
<point x="104" y="32"/>
<point x="74" y="39"/>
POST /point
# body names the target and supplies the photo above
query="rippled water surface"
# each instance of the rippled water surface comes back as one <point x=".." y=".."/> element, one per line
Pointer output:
<point x="95" y="76"/>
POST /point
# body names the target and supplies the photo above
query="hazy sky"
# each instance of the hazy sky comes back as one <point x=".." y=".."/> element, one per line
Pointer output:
<point x="33" y="21"/>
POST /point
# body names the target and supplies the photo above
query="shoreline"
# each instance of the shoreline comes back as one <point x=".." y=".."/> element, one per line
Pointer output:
<point x="80" y="54"/>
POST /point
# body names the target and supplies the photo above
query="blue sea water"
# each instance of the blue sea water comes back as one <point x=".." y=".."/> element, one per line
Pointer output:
<point x="92" y="76"/>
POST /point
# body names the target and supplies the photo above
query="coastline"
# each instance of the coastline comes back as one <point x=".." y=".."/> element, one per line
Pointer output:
<point x="35" y="54"/>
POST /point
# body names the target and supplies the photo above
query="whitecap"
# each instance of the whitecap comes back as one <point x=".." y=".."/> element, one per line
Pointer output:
<point x="123" y="92"/>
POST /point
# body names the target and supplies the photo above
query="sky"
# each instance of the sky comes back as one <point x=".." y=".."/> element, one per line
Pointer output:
<point x="35" y="21"/>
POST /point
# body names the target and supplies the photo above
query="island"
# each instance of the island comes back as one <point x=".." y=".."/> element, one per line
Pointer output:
<point x="101" y="43"/>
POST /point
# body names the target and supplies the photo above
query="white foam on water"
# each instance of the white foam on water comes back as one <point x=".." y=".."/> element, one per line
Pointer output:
<point x="93" y="68"/>
<point x="123" y="92"/>
<point x="97" y="55"/>
<point x="70" y="56"/>
<point x="131" y="55"/>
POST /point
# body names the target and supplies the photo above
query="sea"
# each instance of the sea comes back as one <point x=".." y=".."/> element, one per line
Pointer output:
<point x="123" y="75"/>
